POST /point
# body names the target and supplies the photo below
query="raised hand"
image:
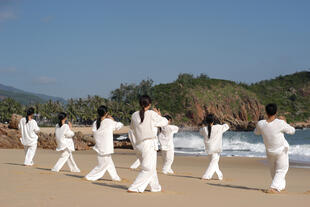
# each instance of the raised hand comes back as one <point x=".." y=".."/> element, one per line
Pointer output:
<point x="157" y="111"/>
<point x="282" y="118"/>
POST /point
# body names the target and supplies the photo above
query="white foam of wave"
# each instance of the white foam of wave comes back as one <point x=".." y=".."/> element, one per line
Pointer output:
<point x="193" y="144"/>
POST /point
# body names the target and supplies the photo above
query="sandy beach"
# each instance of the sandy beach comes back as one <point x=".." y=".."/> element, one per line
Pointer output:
<point x="244" y="180"/>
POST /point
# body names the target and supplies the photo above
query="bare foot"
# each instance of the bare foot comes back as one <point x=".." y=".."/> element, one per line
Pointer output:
<point x="129" y="191"/>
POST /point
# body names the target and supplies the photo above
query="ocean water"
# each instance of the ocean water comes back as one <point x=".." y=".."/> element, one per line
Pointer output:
<point x="244" y="144"/>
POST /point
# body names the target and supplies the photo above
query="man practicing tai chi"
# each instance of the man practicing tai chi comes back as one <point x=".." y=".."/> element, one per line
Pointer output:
<point x="272" y="131"/>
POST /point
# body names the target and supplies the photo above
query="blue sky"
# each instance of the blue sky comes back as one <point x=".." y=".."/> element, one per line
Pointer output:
<point x="75" y="48"/>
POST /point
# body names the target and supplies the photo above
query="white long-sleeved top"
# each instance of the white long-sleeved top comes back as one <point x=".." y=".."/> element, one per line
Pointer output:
<point x="273" y="135"/>
<point x="28" y="132"/>
<point x="215" y="142"/>
<point x="104" y="136"/>
<point x="64" y="138"/>
<point x="166" y="136"/>
<point x="146" y="129"/>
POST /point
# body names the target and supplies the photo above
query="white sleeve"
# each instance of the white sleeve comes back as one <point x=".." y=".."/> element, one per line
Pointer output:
<point x="94" y="128"/>
<point x="225" y="127"/>
<point x="36" y="127"/>
<point x="118" y="125"/>
<point x="257" y="130"/>
<point x="132" y="138"/>
<point x="68" y="132"/>
<point x="159" y="121"/>
<point x="288" y="129"/>
<point x="174" y="129"/>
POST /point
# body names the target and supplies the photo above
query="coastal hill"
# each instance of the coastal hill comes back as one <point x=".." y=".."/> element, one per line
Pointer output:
<point x="188" y="99"/>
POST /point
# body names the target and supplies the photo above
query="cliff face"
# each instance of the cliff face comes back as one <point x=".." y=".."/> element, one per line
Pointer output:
<point x="189" y="99"/>
<point x="230" y="104"/>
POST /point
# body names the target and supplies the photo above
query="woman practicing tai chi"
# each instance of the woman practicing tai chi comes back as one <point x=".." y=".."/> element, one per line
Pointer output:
<point x="103" y="129"/>
<point x="272" y="131"/>
<point x="213" y="135"/>
<point x="142" y="125"/>
<point x="167" y="146"/>
<point x="28" y="128"/>
<point x="65" y="144"/>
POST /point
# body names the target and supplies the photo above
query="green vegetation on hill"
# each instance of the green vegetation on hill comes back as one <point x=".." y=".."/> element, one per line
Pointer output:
<point x="187" y="99"/>
<point x="291" y="93"/>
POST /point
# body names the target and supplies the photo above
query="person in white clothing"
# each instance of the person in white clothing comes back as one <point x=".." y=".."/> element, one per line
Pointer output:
<point x="28" y="128"/>
<point x="65" y="144"/>
<point x="213" y="135"/>
<point x="167" y="146"/>
<point x="131" y="137"/>
<point x="272" y="131"/>
<point x="142" y="125"/>
<point x="103" y="129"/>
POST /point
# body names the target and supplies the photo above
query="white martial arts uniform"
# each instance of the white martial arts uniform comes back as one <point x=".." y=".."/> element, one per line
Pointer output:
<point x="132" y="139"/>
<point x="65" y="144"/>
<point x="29" y="139"/>
<point x="276" y="149"/>
<point x="104" y="148"/>
<point x="146" y="148"/>
<point x="213" y="147"/>
<point x="167" y="147"/>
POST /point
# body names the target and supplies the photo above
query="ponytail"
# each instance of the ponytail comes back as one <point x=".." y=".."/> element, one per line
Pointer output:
<point x="102" y="111"/>
<point x="61" y="116"/>
<point x="209" y="130"/>
<point x="209" y="120"/>
<point x="144" y="101"/>
<point x="29" y="112"/>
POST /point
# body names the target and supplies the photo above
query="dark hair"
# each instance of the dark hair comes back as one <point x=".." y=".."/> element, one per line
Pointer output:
<point x="169" y="118"/>
<point x="61" y="116"/>
<point x="209" y="119"/>
<point x="271" y="109"/>
<point x="29" y="112"/>
<point x="102" y="111"/>
<point x="144" y="101"/>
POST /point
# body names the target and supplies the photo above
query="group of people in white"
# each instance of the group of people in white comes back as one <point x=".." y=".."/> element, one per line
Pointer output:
<point x="148" y="129"/>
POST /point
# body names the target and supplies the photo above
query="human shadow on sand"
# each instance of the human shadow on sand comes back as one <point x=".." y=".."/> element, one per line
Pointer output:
<point x="45" y="169"/>
<point x="235" y="186"/>
<point x="16" y="164"/>
<point x="183" y="176"/>
<point x="118" y="186"/>
<point x="82" y="177"/>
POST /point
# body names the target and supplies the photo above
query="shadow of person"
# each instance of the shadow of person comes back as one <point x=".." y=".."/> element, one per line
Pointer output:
<point x="41" y="168"/>
<point x="117" y="186"/>
<point x="16" y="164"/>
<point x="184" y="176"/>
<point x="235" y="186"/>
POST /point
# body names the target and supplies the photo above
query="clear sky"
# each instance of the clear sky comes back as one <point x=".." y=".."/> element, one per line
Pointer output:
<point x="72" y="48"/>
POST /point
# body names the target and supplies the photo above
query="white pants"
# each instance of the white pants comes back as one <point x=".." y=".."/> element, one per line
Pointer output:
<point x="168" y="157"/>
<point x="66" y="156"/>
<point x="136" y="164"/>
<point x="105" y="163"/>
<point x="279" y="165"/>
<point x="30" y="151"/>
<point x="213" y="167"/>
<point x="146" y="152"/>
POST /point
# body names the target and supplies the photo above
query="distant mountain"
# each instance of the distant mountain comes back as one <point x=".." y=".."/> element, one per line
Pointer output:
<point x="25" y="97"/>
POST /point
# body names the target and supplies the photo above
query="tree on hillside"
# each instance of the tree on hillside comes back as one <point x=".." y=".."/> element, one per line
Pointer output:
<point x="9" y="106"/>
